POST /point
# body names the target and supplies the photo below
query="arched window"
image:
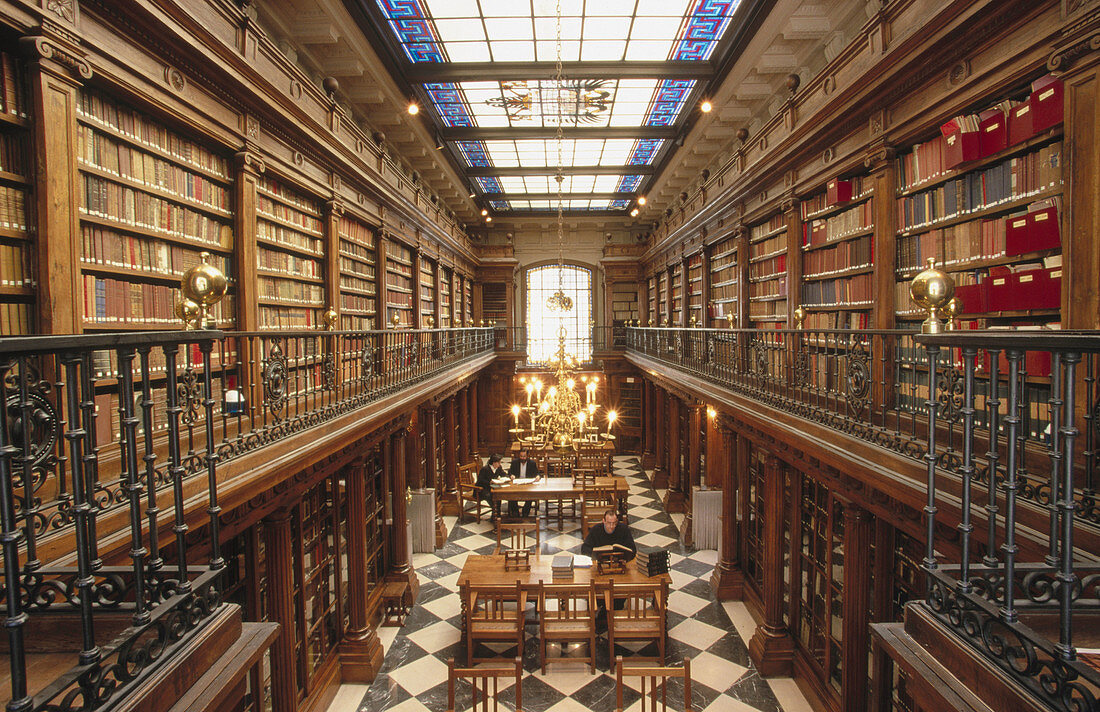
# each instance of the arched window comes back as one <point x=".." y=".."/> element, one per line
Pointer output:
<point x="543" y="324"/>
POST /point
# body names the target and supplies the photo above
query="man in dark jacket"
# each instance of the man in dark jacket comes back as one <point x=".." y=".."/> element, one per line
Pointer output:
<point x="485" y="477"/>
<point x="522" y="466"/>
<point x="609" y="533"/>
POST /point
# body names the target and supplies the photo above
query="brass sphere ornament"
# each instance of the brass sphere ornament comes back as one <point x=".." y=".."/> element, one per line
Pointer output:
<point x="204" y="284"/>
<point x="693" y="322"/>
<point x="931" y="290"/>
<point x="189" y="313"/>
<point x="329" y="317"/>
<point x="799" y="317"/>
<point x="431" y="321"/>
<point x="951" y="310"/>
<point x="395" y="320"/>
<point x="729" y="318"/>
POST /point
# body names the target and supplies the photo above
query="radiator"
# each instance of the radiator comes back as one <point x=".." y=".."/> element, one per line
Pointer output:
<point x="422" y="521"/>
<point x="706" y="521"/>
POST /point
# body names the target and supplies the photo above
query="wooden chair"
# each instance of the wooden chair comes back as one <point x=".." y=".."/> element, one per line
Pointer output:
<point x="641" y="616"/>
<point x="517" y="535"/>
<point x="469" y="492"/>
<point x="653" y="678"/>
<point x="567" y="614"/>
<point x="485" y="683"/>
<point x="583" y="477"/>
<point x="493" y="616"/>
<point x="594" y="502"/>
<point x="593" y="460"/>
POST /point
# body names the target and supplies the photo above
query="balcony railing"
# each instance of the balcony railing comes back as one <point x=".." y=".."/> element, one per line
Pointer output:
<point x="113" y="433"/>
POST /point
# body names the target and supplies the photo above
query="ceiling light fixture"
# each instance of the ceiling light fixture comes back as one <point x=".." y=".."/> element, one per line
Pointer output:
<point x="413" y="108"/>
<point x="484" y="212"/>
<point x="473" y="194"/>
<point x="438" y="142"/>
<point x="634" y="213"/>
<point x="489" y="219"/>
<point x="641" y="200"/>
<point x="706" y="106"/>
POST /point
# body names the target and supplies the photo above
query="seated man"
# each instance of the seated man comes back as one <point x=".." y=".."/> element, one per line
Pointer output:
<point x="522" y="467"/>
<point x="485" y="477"/>
<point x="608" y="534"/>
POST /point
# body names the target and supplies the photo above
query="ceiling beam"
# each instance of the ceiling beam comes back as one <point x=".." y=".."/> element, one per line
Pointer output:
<point x="520" y="133"/>
<point x="566" y="170"/>
<point x="569" y="214"/>
<point x="425" y="72"/>
<point x="554" y="196"/>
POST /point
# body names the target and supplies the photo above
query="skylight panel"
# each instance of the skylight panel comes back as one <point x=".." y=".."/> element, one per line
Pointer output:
<point x="451" y="8"/>
<point x="512" y="28"/>
<point x="460" y="30"/>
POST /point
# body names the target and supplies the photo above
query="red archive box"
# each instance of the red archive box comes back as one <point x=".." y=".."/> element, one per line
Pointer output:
<point x="1020" y="123"/>
<point x="1036" y="363"/>
<point x="974" y="298"/>
<point x="838" y="191"/>
<point x="1000" y="296"/>
<point x="1017" y="234"/>
<point x="959" y="146"/>
<point x="1043" y="228"/>
<point x="1046" y="102"/>
<point x="993" y="132"/>
<point x="1037" y="289"/>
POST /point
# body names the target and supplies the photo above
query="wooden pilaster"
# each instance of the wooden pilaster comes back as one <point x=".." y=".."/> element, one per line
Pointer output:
<point x="402" y="570"/>
<point x="451" y="505"/>
<point x="693" y="474"/>
<point x="771" y="648"/>
<point x="648" y="437"/>
<point x="360" y="650"/>
<point x="660" y="465"/>
<point x="464" y="426"/>
<point x="279" y="554"/>
<point x="727" y="580"/>
<point x="674" y="497"/>
<point x="472" y="420"/>
<point x="856" y="610"/>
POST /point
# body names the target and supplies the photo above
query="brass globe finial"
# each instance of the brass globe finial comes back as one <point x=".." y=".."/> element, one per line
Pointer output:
<point x="931" y="290"/>
<point x="729" y="318"/>
<point x="481" y="322"/>
<point x="189" y="313"/>
<point x="330" y="316"/>
<point x="431" y="321"/>
<point x="204" y="284"/>
<point x="693" y="321"/>
<point x="651" y="322"/>
<point x="668" y="322"/>
<point x="799" y="317"/>
<point x="951" y="310"/>
<point x="395" y="320"/>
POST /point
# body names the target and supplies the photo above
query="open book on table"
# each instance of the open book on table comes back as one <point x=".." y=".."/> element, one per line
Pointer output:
<point x="611" y="548"/>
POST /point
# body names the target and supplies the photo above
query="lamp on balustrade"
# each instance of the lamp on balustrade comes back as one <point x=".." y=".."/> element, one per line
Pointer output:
<point x="799" y="317"/>
<point x="330" y="316"/>
<point x="204" y="284"/>
<point x="931" y="290"/>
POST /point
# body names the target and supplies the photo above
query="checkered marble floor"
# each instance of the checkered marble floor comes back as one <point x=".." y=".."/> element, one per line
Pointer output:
<point x="413" y="677"/>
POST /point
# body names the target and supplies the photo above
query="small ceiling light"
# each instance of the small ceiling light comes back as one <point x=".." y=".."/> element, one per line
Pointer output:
<point x="484" y="211"/>
<point x="489" y="219"/>
<point x="413" y="108"/>
<point x="641" y="200"/>
<point x="438" y="142"/>
<point x="706" y="106"/>
<point x="634" y="213"/>
<point x="473" y="194"/>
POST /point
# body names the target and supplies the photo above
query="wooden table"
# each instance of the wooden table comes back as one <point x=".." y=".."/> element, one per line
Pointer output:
<point x="487" y="571"/>
<point x="554" y="488"/>
<point x="604" y="447"/>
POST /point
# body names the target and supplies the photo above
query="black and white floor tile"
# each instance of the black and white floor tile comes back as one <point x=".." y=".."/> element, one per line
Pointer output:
<point x="414" y="674"/>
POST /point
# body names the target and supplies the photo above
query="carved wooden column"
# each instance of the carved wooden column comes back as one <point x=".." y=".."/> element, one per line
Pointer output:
<point x="674" y="497"/>
<point x="882" y="611"/>
<point x="660" y="464"/>
<point x="647" y="425"/>
<point x="451" y="505"/>
<point x="771" y="648"/>
<point x="855" y="633"/>
<point x="722" y="459"/>
<point x="279" y="555"/>
<point x="475" y="452"/>
<point x="394" y="450"/>
<point x="464" y="426"/>
<point x="360" y="650"/>
<point x="412" y="437"/>
<point x="431" y="470"/>
<point x="691" y="481"/>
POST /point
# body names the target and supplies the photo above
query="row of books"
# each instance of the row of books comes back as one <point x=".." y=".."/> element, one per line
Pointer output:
<point x="398" y="252"/>
<point x="768" y="288"/>
<point x="724" y="291"/>
<point x="777" y="222"/>
<point x="17" y="268"/>
<point x="776" y="310"/>
<point x="837" y="320"/>
<point x="288" y="237"/>
<point x="360" y="285"/>
<point x="289" y="290"/>
<point x="288" y="263"/>
<point x="13" y="208"/>
<point x="14" y="157"/>
<point x="105" y="362"/>
<point x="357" y="303"/>
<point x="14" y="92"/>
<point x="845" y="291"/>
<point x="399" y="299"/>
<point x="272" y="317"/>
<point x="361" y="253"/>
<point x="839" y="226"/>
<point x="356" y="322"/>
<point x="852" y="254"/>
<point x="399" y="269"/>
<point x="122" y="204"/>
<point x="16" y="318"/>
<point x="267" y="207"/>
<point x="273" y="187"/>
<point x="769" y="247"/>
<point x="398" y="281"/>
<point x="1008" y="180"/>
<point x="126" y="121"/>
<point x="117" y="158"/>
<point x="652" y="562"/>
<point x="768" y="269"/>
<point x="107" y="247"/>
<point x="953" y="246"/>
<point x="113" y="301"/>
<point x="359" y="237"/>
<point x="839" y="192"/>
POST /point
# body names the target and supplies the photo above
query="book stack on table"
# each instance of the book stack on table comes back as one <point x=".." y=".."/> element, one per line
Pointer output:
<point x="561" y="567"/>
<point x="653" y="562"/>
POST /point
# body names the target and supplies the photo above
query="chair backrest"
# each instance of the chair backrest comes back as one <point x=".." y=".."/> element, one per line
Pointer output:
<point x="654" y="683"/>
<point x="485" y="684"/>
<point x="562" y="602"/>
<point x="638" y="604"/>
<point x="556" y="466"/>
<point x="494" y="604"/>
<point x="593" y="460"/>
<point x="517" y="535"/>
<point x="599" y="498"/>
<point x="584" y="477"/>
<point x="467" y="474"/>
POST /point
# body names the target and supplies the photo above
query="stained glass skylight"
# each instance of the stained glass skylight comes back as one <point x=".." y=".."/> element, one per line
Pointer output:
<point x="489" y="32"/>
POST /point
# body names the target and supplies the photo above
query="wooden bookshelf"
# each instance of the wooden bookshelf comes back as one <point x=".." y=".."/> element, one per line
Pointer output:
<point x="768" y="271"/>
<point x="399" y="284"/>
<point x="676" y="303"/>
<point x="662" y="298"/>
<point x="651" y="291"/>
<point x="837" y="288"/>
<point x="445" y="286"/>
<point x="289" y="257"/>
<point x="18" y="272"/>
<point x="468" y="299"/>
<point x="427" y="290"/>
<point x="694" y="290"/>
<point x="358" y="275"/>
<point x="152" y="201"/>
<point x="724" y="282"/>
<point x="624" y="303"/>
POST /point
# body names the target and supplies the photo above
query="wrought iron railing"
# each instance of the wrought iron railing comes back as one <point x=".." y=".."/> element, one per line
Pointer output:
<point x="113" y="433"/>
<point x="993" y="595"/>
